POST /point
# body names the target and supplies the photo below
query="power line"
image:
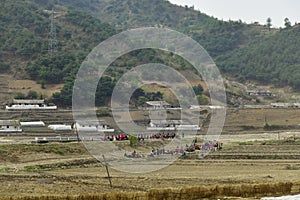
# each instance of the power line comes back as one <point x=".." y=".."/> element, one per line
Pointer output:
<point x="52" y="46"/>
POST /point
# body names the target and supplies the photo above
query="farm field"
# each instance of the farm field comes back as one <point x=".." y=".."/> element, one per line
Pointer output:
<point x="249" y="156"/>
<point x="68" y="169"/>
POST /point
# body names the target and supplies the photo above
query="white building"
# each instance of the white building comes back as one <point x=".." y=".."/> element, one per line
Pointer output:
<point x="60" y="127"/>
<point x="170" y="125"/>
<point x="285" y="105"/>
<point x="157" y="105"/>
<point x="33" y="124"/>
<point x="93" y="126"/>
<point x="30" y="104"/>
<point x="10" y="126"/>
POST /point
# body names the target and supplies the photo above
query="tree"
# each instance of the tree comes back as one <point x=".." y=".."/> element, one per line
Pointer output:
<point x="202" y="99"/>
<point x="269" y="23"/>
<point x="287" y="23"/>
<point x="32" y="94"/>
<point x="19" y="95"/>
<point x="4" y="67"/>
<point x="43" y="83"/>
<point x="198" y="89"/>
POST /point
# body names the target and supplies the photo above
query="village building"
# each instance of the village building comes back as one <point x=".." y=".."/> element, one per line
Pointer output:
<point x="170" y="125"/>
<point x="60" y="127"/>
<point x="157" y="105"/>
<point x="33" y="124"/>
<point x="281" y="105"/>
<point x="285" y="105"/>
<point x="259" y="93"/>
<point x="296" y="105"/>
<point x="10" y="126"/>
<point x="30" y="104"/>
<point x="93" y="126"/>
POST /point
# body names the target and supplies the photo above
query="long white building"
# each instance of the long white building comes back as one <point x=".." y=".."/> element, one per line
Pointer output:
<point x="93" y="126"/>
<point x="30" y="104"/>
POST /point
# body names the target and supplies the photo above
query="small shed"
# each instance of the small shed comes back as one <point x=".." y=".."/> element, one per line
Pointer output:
<point x="10" y="126"/>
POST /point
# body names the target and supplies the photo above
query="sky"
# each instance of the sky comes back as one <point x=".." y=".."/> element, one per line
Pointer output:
<point x="248" y="11"/>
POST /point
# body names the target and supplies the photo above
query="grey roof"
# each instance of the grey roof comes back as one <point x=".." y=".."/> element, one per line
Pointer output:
<point x="166" y="122"/>
<point x="28" y="101"/>
<point x="9" y="122"/>
<point x="92" y="122"/>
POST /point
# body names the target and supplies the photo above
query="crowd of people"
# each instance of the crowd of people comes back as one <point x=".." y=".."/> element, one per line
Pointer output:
<point x="207" y="146"/>
<point x="204" y="147"/>
<point x="119" y="137"/>
<point x="163" y="136"/>
<point x="211" y="146"/>
<point x="140" y="137"/>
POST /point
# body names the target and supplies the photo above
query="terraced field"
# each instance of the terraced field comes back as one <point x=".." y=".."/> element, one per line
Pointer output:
<point x="253" y="156"/>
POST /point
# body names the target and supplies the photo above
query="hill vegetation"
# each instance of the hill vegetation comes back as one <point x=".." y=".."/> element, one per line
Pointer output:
<point x="240" y="50"/>
<point x="274" y="59"/>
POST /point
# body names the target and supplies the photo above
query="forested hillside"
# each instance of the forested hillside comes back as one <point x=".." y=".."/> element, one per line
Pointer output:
<point x="274" y="59"/>
<point x="240" y="50"/>
<point x="24" y="33"/>
<point x="215" y="35"/>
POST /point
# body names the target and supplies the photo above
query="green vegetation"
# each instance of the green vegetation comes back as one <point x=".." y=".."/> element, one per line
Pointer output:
<point x="30" y="95"/>
<point x="61" y="149"/>
<point x="85" y="163"/>
<point x="240" y="50"/>
<point x="4" y="67"/>
<point x="140" y="97"/>
<point x="275" y="59"/>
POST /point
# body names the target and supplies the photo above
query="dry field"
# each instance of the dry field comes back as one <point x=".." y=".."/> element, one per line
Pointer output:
<point x="252" y="156"/>
<point x="67" y="169"/>
<point x="26" y="85"/>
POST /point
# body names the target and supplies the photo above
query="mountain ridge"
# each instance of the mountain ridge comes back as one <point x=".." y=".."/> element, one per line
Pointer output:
<point x="82" y="24"/>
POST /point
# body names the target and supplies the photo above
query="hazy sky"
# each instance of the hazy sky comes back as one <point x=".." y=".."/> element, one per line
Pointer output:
<point x="248" y="11"/>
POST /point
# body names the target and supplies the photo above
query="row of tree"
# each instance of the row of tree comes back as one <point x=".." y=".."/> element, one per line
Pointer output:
<point x="287" y="23"/>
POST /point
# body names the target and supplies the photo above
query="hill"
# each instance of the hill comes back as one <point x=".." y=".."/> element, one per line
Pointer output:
<point x="24" y="33"/>
<point x="243" y="51"/>
<point x="274" y="59"/>
<point x="216" y="36"/>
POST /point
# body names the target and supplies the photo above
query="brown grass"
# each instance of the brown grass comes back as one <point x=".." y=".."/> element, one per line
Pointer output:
<point x="196" y="192"/>
<point x="26" y="85"/>
<point x="237" y="119"/>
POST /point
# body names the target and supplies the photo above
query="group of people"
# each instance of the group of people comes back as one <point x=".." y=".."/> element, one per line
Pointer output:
<point x="119" y="137"/>
<point x="207" y="146"/>
<point x="163" y="136"/>
<point x="211" y="146"/>
<point x="140" y="137"/>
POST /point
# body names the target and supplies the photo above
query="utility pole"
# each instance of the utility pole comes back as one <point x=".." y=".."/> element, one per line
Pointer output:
<point x="107" y="171"/>
<point x="52" y="46"/>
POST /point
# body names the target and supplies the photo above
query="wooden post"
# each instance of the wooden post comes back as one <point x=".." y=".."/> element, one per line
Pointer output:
<point x="108" y="175"/>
